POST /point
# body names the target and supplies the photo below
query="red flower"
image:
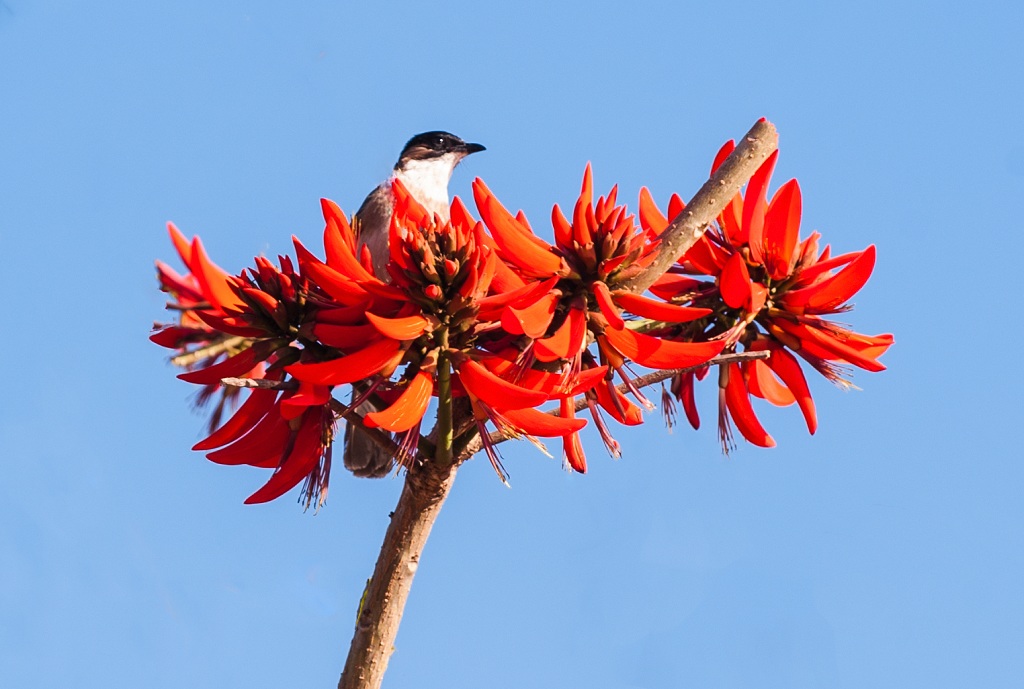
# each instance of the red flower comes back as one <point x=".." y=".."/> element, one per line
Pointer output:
<point x="771" y="292"/>
<point x="575" y="292"/>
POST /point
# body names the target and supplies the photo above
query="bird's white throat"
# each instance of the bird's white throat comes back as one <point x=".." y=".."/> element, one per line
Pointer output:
<point x="427" y="181"/>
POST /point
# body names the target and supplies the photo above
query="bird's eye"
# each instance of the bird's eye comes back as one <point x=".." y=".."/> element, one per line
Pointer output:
<point x="439" y="142"/>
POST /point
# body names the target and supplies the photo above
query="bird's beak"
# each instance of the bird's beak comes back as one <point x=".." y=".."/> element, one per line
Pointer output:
<point x="472" y="148"/>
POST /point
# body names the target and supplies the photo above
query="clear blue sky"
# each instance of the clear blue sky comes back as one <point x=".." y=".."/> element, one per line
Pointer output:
<point x="887" y="551"/>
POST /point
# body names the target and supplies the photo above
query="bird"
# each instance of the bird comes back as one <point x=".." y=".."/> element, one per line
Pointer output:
<point x="424" y="167"/>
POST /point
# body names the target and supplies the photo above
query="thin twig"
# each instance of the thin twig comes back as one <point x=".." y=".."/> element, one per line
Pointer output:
<point x="213" y="349"/>
<point x="709" y="201"/>
<point x="260" y="383"/>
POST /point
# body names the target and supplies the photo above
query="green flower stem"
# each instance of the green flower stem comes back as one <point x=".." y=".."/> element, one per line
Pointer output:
<point x="443" y="454"/>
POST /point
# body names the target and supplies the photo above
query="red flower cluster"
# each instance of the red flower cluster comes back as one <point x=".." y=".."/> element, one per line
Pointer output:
<point x="496" y="322"/>
<point x="770" y="292"/>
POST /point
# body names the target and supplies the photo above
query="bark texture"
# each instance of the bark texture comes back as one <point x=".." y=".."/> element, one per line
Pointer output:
<point x="426" y="487"/>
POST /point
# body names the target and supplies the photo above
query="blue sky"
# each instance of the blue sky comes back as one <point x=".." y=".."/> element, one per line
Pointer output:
<point x="886" y="551"/>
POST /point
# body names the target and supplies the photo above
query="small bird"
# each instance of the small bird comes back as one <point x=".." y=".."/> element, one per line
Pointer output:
<point x="425" y="166"/>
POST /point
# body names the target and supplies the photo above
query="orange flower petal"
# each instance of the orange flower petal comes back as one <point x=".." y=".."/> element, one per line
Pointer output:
<point x="618" y="406"/>
<point x="836" y="290"/>
<point x="213" y="279"/>
<point x="782" y="230"/>
<point x="705" y="257"/>
<point x="226" y="324"/>
<point x="688" y="399"/>
<point x="734" y="283"/>
<point x="237" y="365"/>
<point x="408" y="409"/>
<point x="762" y="383"/>
<point x="571" y="443"/>
<point x="348" y="369"/>
<point x="347" y="338"/>
<point x="300" y="461"/>
<point x="835" y="349"/>
<point x="651" y="218"/>
<point x="531" y="319"/>
<point x="755" y="202"/>
<point x="671" y="285"/>
<point x="407" y="328"/>
<point x="339" y="286"/>
<point x="261" y="444"/>
<point x="242" y="421"/>
<point x="738" y="402"/>
<point x="788" y="369"/>
<point x="531" y="254"/>
<point x="607" y="305"/>
<point x="658" y="310"/>
<point x="181" y="244"/>
<point x="657" y="353"/>
<point x="309" y="395"/>
<point x="723" y="153"/>
<point x="541" y="424"/>
<point x="496" y="392"/>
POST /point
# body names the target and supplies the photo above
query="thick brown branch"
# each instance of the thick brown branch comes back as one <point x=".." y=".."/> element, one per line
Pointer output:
<point x="709" y="201"/>
<point x="426" y="487"/>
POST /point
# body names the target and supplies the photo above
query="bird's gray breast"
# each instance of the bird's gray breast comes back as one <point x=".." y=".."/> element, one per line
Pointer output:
<point x="374" y="222"/>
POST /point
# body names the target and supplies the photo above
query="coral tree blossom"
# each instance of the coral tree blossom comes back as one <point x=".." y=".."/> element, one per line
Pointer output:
<point x="771" y="291"/>
<point x="506" y="334"/>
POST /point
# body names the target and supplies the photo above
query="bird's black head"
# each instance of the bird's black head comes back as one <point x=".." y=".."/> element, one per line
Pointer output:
<point x="434" y="145"/>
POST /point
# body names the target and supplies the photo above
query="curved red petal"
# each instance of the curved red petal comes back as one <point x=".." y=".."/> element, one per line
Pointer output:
<point x="339" y="286"/>
<point x="242" y="421"/>
<point x="542" y="424"/>
<point x="213" y="279"/>
<point x="300" y="461"/>
<point x="738" y="402"/>
<point x="496" y="392"/>
<point x="755" y="202"/>
<point x="688" y="399"/>
<point x="237" y="365"/>
<point x="347" y="338"/>
<point x="348" y="369"/>
<point x="558" y="345"/>
<point x="533" y="318"/>
<point x="836" y="349"/>
<point x="407" y="328"/>
<point x="782" y="230"/>
<point x="761" y="383"/>
<point x="835" y="291"/>
<point x="657" y="353"/>
<point x="181" y="244"/>
<point x="788" y="369"/>
<point x="651" y="218"/>
<point x="618" y="406"/>
<point x="723" y="153"/>
<point x="608" y="308"/>
<point x="408" y="409"/>
<point x="734" y="283"/>
<point x="264" y="442"/>
<point x="309" y="395"/>
<point x="531" y="254"/>
<point x="672" y="285"/>
<point x="658" y="310"/>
